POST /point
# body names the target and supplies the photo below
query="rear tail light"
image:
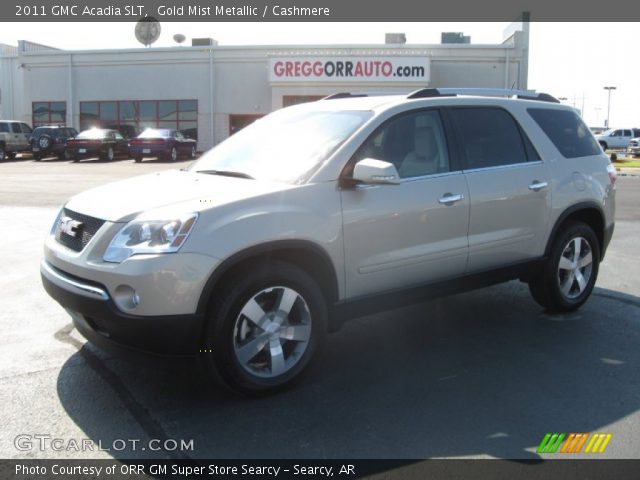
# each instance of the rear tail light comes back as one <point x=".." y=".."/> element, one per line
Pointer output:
<point x="613" y="174"/>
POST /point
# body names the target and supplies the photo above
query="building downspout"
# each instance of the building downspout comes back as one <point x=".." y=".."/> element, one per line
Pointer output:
<point x="70" y="112"/>
<point x="506" y="69"/>
<point x="12" y="67"/>
<point x="211" y="129"/>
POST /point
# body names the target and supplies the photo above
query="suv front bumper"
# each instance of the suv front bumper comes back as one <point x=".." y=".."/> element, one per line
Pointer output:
<point x="98" y="319"/>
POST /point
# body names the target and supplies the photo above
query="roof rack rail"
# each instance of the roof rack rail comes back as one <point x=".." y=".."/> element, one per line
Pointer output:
<point x="335" y="96"/>
<point x="485" y="92"/>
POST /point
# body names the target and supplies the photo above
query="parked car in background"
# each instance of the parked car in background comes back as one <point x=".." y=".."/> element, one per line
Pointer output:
<point x="49" y="140"/>
<point x="97" y="142"/>
<point x="617" y="137"/>
<point x="162" y="143"/>
<point x="14" y="138"/>
<point x="634" y="147"/>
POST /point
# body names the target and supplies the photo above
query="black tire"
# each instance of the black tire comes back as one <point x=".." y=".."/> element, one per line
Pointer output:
<point x="547" y="288"/>
<point x="604" y="146"/>
<point x="3" y="154"/>
<point x="192" y="153"/>
<point x="64" y="155"/>
<point x="228" y="330"/>
<point x="11" y="155"/>
<point x="37" y="158"/>
<point x="173" y="155"/>
<point x="137" y="158"/>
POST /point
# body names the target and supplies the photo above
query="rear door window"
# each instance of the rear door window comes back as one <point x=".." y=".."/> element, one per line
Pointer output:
<point x="490" y="137"/>
<point x="567" y="132"/>
<point x="15" y="128"/>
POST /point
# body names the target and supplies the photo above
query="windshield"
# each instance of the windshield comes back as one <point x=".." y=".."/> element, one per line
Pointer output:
<point x="284" y="146"/>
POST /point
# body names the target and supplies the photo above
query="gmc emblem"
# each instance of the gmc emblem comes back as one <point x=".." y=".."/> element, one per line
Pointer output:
<point x="70" y="226"/>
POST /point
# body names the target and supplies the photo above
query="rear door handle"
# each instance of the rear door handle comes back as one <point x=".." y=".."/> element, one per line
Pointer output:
<point x="536" y="185"/>
<point x="450" y="199"/>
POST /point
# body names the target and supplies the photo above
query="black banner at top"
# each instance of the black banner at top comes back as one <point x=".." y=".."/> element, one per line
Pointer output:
<point x="313" y="10"/>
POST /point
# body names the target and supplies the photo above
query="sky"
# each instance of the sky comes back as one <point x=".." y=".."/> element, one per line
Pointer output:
<point x="570" y="60"/>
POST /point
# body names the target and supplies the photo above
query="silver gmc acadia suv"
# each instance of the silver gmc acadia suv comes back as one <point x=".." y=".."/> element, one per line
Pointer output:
<point x="330" y="210"/>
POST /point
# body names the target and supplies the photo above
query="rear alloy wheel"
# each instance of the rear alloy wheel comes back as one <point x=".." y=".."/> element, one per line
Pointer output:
<point x="173" y="155"/>
<point x="3" y="154"/>
<point x="193" y="152"/>
<point x="266" y="329"/>
<point x="570" y="273"/>
<point x="109" y="154"/>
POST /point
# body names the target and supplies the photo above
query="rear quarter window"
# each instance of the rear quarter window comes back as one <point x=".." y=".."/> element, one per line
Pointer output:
<point x="567" y="132"/>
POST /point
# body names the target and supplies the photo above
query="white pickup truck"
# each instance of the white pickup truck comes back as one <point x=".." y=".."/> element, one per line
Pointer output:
<point x="617" y="137"/>
<point x="14" y="138"/>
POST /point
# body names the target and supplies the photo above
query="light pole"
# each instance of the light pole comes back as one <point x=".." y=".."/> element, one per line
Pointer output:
<point x="606" y="124"/>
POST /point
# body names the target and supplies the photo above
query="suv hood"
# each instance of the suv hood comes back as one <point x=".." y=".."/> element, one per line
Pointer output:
<point x="123" y="200"/>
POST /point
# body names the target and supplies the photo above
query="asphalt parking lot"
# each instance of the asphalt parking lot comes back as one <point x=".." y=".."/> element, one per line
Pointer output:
<point x="479" y="375"/>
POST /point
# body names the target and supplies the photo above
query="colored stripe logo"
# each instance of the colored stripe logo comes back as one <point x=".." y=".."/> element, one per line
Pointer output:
<point x="574" y="443"/>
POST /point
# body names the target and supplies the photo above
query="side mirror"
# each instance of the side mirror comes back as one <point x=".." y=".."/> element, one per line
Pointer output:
<point x="376" y="172"/>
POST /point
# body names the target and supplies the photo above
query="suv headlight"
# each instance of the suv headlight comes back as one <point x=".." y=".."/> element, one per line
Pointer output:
<point x="150" y="236"/>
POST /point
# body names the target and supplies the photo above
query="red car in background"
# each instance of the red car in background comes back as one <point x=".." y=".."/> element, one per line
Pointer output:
<point x="162" y="143"/>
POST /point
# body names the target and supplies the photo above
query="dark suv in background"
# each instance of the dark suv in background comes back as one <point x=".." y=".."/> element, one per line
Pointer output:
<point x="50" y="140"/>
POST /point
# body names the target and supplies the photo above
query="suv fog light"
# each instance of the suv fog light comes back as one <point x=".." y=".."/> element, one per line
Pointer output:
<point x="126" y="297"/>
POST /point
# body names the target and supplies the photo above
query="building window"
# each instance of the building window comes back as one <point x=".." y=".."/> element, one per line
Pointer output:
<point x="49" y="113"/>
<point x="290" y="100"/>
<point x="130" y="117"/>
<point x="237" y="122"/>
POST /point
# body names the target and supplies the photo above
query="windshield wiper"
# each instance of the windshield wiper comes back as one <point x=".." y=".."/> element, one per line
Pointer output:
<point x="226" y="173"/>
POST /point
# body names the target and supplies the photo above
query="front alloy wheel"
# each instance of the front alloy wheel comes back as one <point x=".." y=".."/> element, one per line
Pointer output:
<point x="272" y="332"/>
<point x="265" y="327"/>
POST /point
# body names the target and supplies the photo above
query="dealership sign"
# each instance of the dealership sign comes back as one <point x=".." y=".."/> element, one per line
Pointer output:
<point x="349" y="69"/>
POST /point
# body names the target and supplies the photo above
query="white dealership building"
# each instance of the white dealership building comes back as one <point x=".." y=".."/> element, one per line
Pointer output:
<point x="209" y="91"/>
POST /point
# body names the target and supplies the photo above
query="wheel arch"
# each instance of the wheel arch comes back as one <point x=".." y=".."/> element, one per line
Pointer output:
<point x="587" y="212"/>
<point x="306" y="255"/>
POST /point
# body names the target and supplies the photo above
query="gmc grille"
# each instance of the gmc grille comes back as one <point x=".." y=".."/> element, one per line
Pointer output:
<point x="89" y="228"/>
